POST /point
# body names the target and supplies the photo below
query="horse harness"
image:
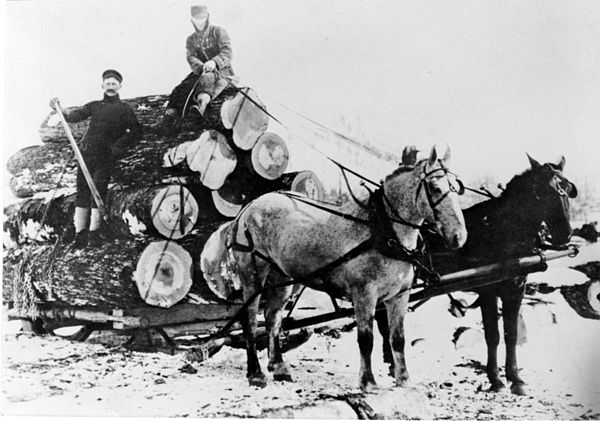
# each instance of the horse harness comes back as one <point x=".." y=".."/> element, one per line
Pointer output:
<point x="383" y="238"/>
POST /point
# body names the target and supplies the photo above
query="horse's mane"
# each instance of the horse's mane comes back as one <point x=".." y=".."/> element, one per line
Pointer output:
<point x="402" y="168"/>
<point x="521" y="183"/>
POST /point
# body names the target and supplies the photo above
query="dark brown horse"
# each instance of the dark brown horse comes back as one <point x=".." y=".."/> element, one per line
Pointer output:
<point x="501" y="228"/>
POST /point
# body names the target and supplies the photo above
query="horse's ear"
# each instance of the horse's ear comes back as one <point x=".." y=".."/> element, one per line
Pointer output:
<point x="447" y="156"/>
<point x="561" y="163"/>
<point x="409" y="155"/>
<point x="533" y="162"/>
<point x="432" y="157"/>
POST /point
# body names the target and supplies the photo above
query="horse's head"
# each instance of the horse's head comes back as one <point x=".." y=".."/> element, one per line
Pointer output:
<point x="426" y="190"/>
<point x="550" y="191"/>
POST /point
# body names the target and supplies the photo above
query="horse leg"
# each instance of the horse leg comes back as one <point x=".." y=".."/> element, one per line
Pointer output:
<point x="511" y="304"/>
<point x="381" y="317"/>
<point x="275" y="302"/>
<point x="255" y="375"/>
<point x="489" y="314"/>
<point x="396" y="310"/>
<point x="364" y="303"/>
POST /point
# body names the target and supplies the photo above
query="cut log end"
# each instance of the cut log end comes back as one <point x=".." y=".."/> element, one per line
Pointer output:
<point x="212" y="157"/>
<point x="246" y="115"/>
<point x="174" y="211"/>
<point x="163" y="274"/>
<point x="270" y="156"/>
<point x="217" y="269"/>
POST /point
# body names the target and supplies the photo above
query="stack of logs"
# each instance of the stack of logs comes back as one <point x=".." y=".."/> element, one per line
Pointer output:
<point x="169" y="193"/>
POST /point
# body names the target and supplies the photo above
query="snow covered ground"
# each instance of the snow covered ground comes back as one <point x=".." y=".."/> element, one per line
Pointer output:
<point x="52" y="376"/>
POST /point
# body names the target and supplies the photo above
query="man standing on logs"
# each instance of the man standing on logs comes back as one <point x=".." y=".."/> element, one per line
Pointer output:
<point x="112" y="129"/>
<point x="209" y="55"/>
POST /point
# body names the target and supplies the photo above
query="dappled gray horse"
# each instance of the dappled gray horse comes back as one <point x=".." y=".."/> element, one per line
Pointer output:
<point x="361" y="251"/>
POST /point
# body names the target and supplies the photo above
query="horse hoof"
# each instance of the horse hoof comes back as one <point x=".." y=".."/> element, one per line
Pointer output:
<point x="369" y="387"/>
<point x="496" y="387"/>
<point x="392" y="371"/>
<point x="518" y="389"/>
<point x="258" y="381"/>
<point x="403" y="383"/>
<point x="283" y="377"/>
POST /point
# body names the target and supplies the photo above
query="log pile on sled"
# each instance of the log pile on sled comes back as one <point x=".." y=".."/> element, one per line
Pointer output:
<point x="168" y="195"/>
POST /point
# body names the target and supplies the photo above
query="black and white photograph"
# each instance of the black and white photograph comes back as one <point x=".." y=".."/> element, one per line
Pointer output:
<point x="273" y="209"/>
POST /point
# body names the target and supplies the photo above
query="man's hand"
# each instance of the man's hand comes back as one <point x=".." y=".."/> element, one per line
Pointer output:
<point x="209" y="66"/>
<point x="54" y="102"/>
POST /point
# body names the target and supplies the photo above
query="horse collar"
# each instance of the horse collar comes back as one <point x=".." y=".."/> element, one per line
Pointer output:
<point x="384" y="237"/>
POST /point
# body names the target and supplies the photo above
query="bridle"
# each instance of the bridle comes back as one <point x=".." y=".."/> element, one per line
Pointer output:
<point x="433" y="203"/>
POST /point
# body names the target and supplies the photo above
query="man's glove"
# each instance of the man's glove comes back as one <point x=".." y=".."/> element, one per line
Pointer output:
<point x="54" y="102"/>
<point x="209" y="66"/>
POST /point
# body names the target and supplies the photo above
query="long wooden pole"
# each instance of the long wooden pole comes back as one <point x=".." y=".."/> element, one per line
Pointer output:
<point x="486" y="275"/>
<point x="81" y="162"/>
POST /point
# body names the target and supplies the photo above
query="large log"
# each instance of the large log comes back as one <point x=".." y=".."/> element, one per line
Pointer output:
<point x="38" y="168"/>
<point x="243" y="186"/>
<point x="270" y="156"/>
<point x="211" y="157"/>
<point x="163" y="273"/>
<point x="39" y="219"/>
<point x="245" y="115"/>
<point x="63" y="275"/>
<point x="170" y="211"/>
<point x="149" y="111"/>
<point x="584" y="298"/>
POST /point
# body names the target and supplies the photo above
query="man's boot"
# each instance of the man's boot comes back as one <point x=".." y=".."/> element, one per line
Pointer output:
<point x="202" y="101"/>
<point x="167" y="127"/>
<point x="95" y="239"/>
<point x="81" y="239"/>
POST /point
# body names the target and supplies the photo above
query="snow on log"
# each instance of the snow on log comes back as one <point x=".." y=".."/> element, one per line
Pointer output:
<point x="270" y="156"/>
<point x="170" y="211"/>
<point x="39" y="219"/>
<point x="163" y="273"/>
<point x="245" y="115"/>
<point x="99" y="277"/>
<point x="584" y="298"/>
<point x="211" y="156"/>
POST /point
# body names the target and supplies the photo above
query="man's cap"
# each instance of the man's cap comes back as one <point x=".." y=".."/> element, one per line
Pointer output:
<point x="112" y="73"/>
<point x="198" y="8"/>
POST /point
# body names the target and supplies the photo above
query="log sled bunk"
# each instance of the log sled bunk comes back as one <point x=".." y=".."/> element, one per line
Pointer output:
<point x="168" y="194"/>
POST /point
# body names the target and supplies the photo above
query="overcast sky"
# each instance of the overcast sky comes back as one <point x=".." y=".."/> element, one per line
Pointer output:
<point x="491" y="79"/>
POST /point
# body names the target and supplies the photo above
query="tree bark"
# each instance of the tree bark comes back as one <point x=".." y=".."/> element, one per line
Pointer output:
<point x="170" y="211"/>
<point x="39" y="219"/>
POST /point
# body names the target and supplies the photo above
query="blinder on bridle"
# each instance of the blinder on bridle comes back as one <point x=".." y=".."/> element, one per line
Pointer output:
<point x="456" y="186"/>
<point x="559" y="184"/>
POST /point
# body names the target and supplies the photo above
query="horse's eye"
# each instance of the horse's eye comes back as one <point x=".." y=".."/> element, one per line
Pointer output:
<point x="434" y="187"/>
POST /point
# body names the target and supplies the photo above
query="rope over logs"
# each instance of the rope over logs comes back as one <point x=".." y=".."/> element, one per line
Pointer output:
<point x="169" y="194"/>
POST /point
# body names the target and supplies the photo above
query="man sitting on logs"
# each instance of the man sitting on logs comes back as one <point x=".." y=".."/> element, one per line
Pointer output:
<point x="209" y="56"/>
<point x="112" y="129"/>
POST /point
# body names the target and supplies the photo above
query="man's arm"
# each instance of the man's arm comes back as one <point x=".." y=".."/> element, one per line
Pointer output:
<point x="73" y="115"/>
<point x="132" y="135"/>
<point x="223" y="59"/>
<point x="195" y="63"/>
